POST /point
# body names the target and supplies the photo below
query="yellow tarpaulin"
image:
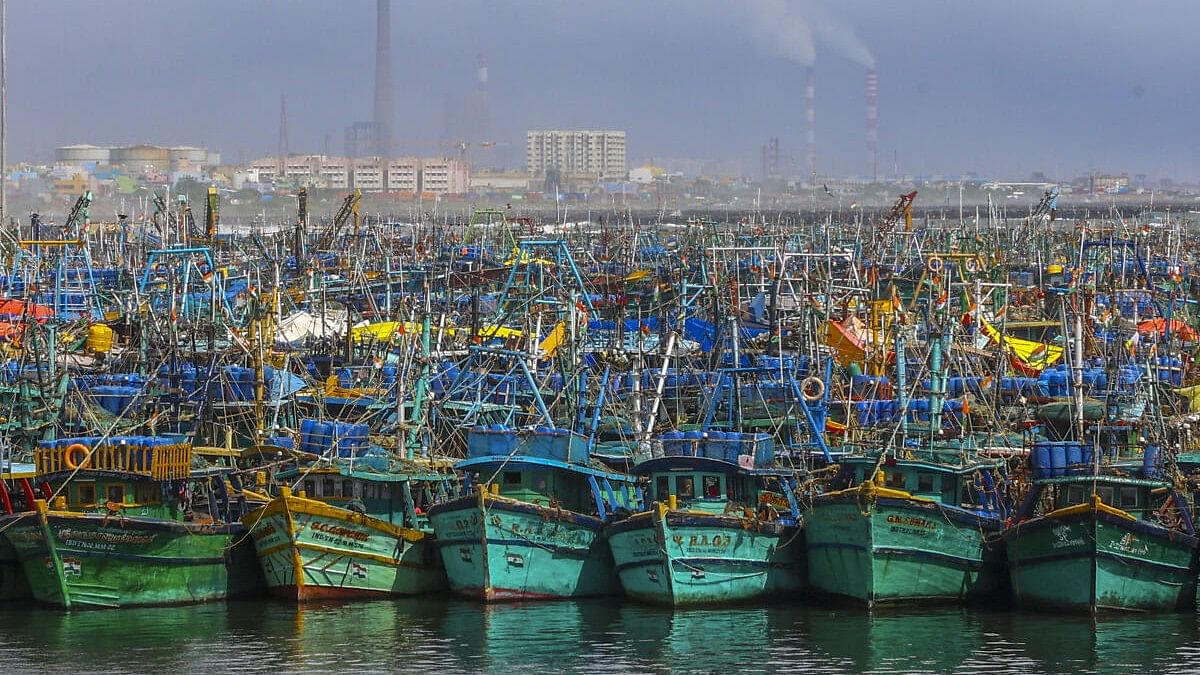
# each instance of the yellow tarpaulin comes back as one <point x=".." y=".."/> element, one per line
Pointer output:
<point x="1028" y="355"/>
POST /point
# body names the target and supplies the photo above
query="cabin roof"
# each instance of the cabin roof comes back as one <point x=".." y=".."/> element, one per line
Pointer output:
<point x="1121" y="480"/>
<point x="524" y="462"/>
<point x="689" y="463"/>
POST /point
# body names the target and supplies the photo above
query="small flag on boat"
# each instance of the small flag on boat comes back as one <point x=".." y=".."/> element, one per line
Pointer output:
<point x="72" y="567"/>
<point x="358" y="571"/>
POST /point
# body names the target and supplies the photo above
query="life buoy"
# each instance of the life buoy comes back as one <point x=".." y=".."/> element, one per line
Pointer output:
<point x="812" y="388"/>
<point x="73" y="450"/>
<point x="971" y="265"/>
<point x="934" y="264"/>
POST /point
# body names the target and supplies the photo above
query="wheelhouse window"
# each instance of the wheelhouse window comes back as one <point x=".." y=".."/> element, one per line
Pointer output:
<point x="86" y="493"/>
<point x="662" y="488"/>
<point x="925" y="482"/>
<point x="310" y="488"/>
<point x="327" y="488"/>
<point x="712" y="487"/>
<point x="896" y="480"/>
<point x="348" y="488"/>
<point x="116" y="494"/>
<point x="146" y="493"/>
<point x="512" y="478"/>
<point x="1105" y="493"/>
<point x="1075" y="494"/>
<point x="1127" y="497"/>
<point x="685" y="487"/>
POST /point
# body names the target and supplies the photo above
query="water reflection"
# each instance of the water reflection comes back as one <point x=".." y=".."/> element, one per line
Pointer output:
<point x="451" y="635"/>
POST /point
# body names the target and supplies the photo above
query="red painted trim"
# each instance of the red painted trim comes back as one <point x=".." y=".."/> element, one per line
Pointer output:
<point x="27" y="489"/>
<point x="309" y="592"/>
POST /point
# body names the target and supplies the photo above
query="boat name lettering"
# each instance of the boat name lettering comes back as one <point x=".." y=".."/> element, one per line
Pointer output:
<point x="908" y="522"/>
<point x="89" y="538"/>
<point x="1129" y="544"/>
<point x="1062" y="537"/>
<point x="339" y="531"/>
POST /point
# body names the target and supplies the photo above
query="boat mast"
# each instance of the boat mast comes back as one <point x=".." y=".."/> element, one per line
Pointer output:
<point x="3" y="111"/>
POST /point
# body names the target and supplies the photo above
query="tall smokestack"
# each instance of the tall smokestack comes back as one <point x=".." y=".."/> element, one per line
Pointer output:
<point x="872" y="124"/>
<point x="383" y="78"/>
<point x="810" y="117"/>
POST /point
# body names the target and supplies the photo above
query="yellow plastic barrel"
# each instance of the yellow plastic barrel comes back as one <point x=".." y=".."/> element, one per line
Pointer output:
<point x="99" y="339"/>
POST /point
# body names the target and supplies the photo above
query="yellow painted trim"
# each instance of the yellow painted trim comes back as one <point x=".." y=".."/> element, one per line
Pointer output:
<point x="1094" y="506"/>
<point x="293" y="504"/>
<point x="870" y="488"/>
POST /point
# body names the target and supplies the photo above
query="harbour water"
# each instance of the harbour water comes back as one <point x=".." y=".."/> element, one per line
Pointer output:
<point x="446" y="635"/>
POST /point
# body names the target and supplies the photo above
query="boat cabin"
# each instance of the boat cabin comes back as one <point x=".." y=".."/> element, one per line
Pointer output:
<point x="1139" y="498"/>
<point x="976" y="487"/>
<point x="401" y="499"/>
<point x="717" y="487"/>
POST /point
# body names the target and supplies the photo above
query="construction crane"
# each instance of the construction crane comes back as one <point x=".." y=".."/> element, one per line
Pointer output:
<point x="78" y="217"/>
<point x="349" y="208"/>
<point x="1046" y="207"/>
<point x="901" y="209"/>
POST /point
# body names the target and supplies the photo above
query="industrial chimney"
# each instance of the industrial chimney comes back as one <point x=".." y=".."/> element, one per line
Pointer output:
<point x="383" y="78"/>
<point x="872" y="124"/>
<point x="810" y="116"/>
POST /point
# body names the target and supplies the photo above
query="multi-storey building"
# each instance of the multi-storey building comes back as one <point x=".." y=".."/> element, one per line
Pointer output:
<point x="596" y="153"/>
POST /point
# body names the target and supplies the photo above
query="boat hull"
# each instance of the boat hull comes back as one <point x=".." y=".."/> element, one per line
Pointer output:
<point x="1089" y="559"/>
<point x="680" y="558"/>
<point x="898" y="549"/>
<point x="12" y="578"/>
<point x="78" y="560"/>
<point x="498" y="549"/>
<point x="309" y="550"/>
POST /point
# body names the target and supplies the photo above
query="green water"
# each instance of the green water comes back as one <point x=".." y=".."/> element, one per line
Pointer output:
<point x="448" y="636"/>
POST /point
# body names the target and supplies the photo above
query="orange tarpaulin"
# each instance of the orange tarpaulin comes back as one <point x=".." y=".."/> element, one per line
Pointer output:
<point x="1178" y="328"/>
<point x="16" y="309"/>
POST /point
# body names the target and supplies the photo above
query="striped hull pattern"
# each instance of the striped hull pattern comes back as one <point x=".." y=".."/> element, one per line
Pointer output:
<point x="680" y="558"/>
<point x="498" y="549"/>
<point x="83" y="560"/>
<point x="310" y="550"/>
<point x="898" y="549"/>
<point x="1093" y="560"/>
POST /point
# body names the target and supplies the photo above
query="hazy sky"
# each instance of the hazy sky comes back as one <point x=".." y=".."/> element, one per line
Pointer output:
<point x="1002" y="87"/>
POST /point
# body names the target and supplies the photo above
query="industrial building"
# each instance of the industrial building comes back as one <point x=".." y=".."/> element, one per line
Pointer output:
<point x="597" y="154"/>
<point x="137" y="157"/>
<point x="437" y="175"/>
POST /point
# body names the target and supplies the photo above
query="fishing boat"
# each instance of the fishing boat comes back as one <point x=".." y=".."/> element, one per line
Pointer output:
<point x="1117" y="538"/>
<point x="350" y="526"/>
<point x="909" y="521"/>
<point x="724" y="525"/>
<point x="128" y="523"/>
<point x="534" y="527"/>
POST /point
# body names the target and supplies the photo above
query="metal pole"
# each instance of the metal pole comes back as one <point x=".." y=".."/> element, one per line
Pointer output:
<point x="3" y="110"/>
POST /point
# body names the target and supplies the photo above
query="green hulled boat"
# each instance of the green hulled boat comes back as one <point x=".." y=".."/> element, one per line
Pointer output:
<point x="911" y="521"/>
<point x="132" y="525"/>
<point x="717" y="532"/>
<point x="356" y="529"/>
<point x="907" y="529"/>
<point x="534" y="527"/>
<point x="1103" y="542"/>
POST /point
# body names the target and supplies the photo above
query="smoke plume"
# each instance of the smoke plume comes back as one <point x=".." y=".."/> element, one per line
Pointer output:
<point x="788" y="29"/>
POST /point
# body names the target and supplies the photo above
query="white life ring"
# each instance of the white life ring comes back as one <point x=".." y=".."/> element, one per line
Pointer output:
<point x="934" y="264"/>
<point x="971" y="265"/>
<point x="812" y="388"/>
